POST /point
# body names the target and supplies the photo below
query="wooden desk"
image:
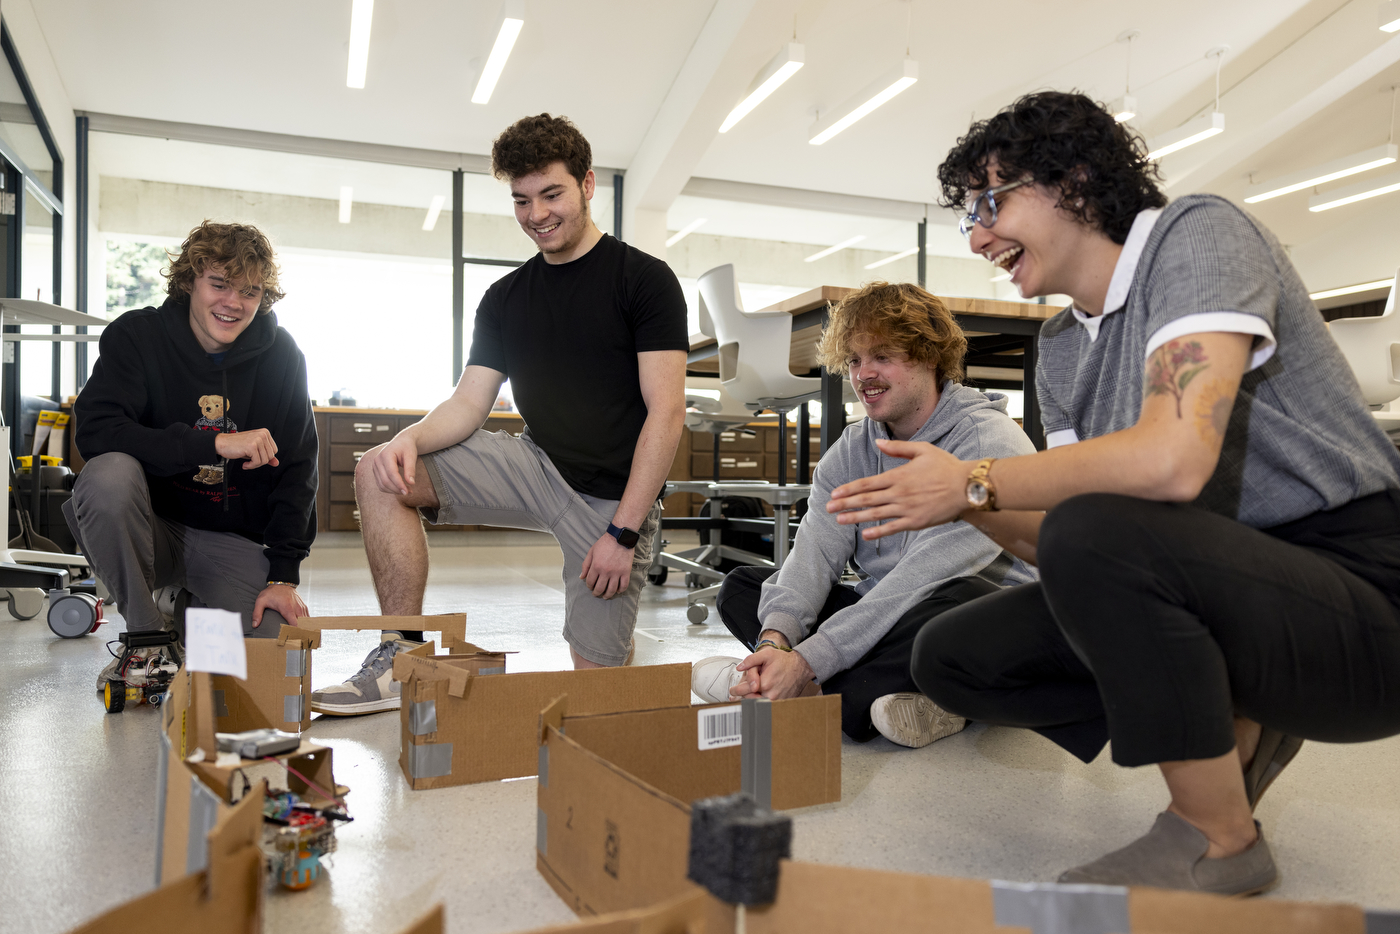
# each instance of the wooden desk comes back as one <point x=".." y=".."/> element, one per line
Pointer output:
<point x="1000" y="336"/>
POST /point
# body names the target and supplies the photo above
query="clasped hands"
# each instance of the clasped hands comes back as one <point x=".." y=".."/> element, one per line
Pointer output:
<point x="773" y="673"/>
<point x="929" y="490"/>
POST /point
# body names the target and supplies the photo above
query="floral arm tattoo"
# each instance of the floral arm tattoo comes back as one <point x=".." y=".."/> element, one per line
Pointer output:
<point x="1172" y="368"/>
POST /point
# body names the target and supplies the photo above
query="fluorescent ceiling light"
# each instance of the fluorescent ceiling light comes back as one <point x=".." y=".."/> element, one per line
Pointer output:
<point x="890" y="259"/>
<point x="1318" y="174"/>
<point x="685" y="231"/>
<point x="1352" y="289"/>
<point x="832" y="249"/>
<point x="511" y="19"/>
<point x="361" y="15"/>
<point x="1123" y="109"/>
<point x="1203" y="127"/>
<point x="346" y="194"/>
<point x="874" y="94"/>
<point x="1390" y="16"/>
<point x="781" y="67"/>
<point x="1354" y="193"/>
<point x="434" y="210"/>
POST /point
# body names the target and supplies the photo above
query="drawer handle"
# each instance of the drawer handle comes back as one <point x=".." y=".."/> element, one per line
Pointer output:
<point x="363" y="427"/>
<point x="357" y="455"/>
<point x="381" y="427"/>
<point x="355" y="515"/>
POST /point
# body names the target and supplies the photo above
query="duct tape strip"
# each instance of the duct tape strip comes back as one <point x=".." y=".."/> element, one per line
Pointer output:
<point x="422" y="717"/>
<point x="542" y="832"/>
<point x="1383" y="922"/>
<point x="431" y="760"/>
<point x="162" y="785"/>
<point x="204" y="812"/>
<point x="756" y="753"/>
<point x="499" y="670"/>
<point x="296" y="663"/>
<point x="1049" y="908"/>
<point x="220" y="705"/>
<point x="544" y="767"/>
<point x="293" y="708"/>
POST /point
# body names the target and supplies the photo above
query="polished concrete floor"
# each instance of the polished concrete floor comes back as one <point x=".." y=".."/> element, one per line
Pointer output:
<point x="77" y="787"/>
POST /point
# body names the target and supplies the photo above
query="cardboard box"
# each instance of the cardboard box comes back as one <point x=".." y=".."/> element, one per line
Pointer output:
<point x="192" y="797"/>
<point x="458" y="726"/>
<point x="277" y="692"/>
<point x="613" y="828"/>
<point x="818" y="899"/>
<point x="449" y="624"/>
<point x="224" y="898"/>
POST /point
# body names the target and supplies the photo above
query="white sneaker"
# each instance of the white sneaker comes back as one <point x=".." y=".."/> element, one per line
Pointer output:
<point x="912" y="719"/>
<point x="711" y="678"/>
<point x="370" y="689"/>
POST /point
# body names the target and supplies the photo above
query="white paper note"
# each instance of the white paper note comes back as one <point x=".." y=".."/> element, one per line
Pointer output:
<point x="214" y="642"/>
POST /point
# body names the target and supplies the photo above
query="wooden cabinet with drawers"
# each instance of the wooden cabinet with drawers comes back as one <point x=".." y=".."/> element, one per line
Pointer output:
<point x="346" y="434"/>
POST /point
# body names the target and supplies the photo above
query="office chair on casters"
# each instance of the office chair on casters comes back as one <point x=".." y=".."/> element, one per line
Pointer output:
<point x="754" y="349"/>
<point x="1372" y="347"/>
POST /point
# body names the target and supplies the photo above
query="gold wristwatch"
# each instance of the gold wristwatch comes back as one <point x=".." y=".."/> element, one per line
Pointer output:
<point x="981" y="492"/>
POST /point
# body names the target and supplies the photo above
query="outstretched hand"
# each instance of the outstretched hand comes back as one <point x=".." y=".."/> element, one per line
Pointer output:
<point x="929" y="490"/>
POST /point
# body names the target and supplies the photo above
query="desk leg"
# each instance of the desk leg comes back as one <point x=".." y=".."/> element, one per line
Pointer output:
<point x="804" y="444"/>
<point x="833" y="408"/>
<point x="780" y="534"/>
<point x="1031" y="418"/>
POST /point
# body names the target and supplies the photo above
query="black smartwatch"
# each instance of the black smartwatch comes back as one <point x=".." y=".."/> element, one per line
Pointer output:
<point x="625" y="537"/>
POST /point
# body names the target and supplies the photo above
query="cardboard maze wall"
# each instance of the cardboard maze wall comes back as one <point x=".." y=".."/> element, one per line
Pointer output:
<point x="457" y="726"/>
<point x="613" y="827"/>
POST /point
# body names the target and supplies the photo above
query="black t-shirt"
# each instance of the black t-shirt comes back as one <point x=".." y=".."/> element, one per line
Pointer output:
<point x="568" y="336"/>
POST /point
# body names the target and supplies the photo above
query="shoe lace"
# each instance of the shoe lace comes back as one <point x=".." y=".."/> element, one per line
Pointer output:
<point x="375" y="663"/>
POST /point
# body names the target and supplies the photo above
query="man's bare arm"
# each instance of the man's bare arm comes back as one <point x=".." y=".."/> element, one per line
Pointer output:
<point x="662" y="374"/>
<point x="395" y="464"/>
<point x="1016" y="531"/>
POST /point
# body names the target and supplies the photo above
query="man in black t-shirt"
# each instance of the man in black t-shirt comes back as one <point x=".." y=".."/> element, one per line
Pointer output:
<point x="592" y="335"/>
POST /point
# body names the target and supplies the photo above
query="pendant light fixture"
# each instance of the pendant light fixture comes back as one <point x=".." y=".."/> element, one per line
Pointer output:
<point x="1193" y="131"/>
<point x="1372" y="187"/>
<point x="875" y="94"/>
<point x="1125" y="107"/>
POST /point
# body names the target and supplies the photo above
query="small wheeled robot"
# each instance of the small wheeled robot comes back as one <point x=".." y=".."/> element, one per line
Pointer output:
<point x="142" y="678"/>
<point x="296" y="837"/>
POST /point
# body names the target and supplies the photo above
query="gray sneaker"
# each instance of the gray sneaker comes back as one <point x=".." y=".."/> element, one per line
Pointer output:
<point x="370" y="689"/>
<point x="912" y="720"/>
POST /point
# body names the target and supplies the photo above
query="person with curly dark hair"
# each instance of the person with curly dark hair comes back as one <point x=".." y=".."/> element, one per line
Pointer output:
<point x="592" y="335"/>
<point x="200" y="481"/>
<point x="1216" y="520"/>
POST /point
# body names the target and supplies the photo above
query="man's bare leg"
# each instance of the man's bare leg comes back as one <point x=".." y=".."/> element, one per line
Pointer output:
<point x="395" y="542"/>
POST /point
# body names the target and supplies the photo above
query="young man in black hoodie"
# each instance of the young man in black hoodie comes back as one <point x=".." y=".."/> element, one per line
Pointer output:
<point x="180" y="395"/>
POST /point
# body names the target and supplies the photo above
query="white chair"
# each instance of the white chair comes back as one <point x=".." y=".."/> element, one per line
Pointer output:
<point x="754" y="347"/>
<point x="1372" y="346"/>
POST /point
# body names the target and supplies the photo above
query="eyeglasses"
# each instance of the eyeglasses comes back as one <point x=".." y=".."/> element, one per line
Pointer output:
<point x="986" y="202"/>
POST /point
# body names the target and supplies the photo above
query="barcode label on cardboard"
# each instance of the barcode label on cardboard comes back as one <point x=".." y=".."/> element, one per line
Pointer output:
<point x="719" y="727"/>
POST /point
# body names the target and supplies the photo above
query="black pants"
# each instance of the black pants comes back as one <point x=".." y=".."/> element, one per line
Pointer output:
<point x="883" y="670"/>
<point x="1154" y="623"/>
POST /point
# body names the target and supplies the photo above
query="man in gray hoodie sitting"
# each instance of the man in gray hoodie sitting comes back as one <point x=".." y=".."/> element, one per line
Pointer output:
<point x="904" y="355"/>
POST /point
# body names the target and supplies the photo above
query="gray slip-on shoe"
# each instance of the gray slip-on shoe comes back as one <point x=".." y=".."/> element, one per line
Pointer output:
<point x="1173" y="856"/>
<point x="1275" y="750"/>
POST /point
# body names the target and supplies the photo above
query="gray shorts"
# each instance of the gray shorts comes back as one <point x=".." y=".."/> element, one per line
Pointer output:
<point x="495" y="478"/>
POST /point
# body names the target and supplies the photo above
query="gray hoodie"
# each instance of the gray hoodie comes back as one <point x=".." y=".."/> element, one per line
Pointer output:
<point x="903" y="569"/>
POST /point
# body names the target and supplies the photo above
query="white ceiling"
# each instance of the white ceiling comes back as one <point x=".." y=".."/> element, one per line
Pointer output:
<point x="609" y="65"/>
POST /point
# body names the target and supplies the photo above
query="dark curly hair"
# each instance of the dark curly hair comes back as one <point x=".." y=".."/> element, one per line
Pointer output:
<point x="241" y="251"/>
<point x="1065" y="141"/>
<point x="531" y="144"/>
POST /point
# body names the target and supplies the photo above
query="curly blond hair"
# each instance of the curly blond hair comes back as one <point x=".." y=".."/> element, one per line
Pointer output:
<point x="242" y="251"/>
<point x="900" y="317"/>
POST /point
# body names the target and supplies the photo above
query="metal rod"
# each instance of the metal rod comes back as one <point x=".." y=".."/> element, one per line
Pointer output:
<point x="459" y="277"/>
<point x="80" y="350"/>
<point x="782" y="446"/>
<point x="804" y="444"/>
<point x="923" y="254"/>
<point x="617" y="206"/>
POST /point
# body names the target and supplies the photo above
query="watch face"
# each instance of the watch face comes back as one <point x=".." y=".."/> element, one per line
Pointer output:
<point x="976" y="494"/>
<point x="627" y="538"/>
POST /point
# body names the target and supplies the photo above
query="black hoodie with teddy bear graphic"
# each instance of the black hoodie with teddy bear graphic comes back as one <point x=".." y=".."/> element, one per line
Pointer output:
<point x="156" y="395"/>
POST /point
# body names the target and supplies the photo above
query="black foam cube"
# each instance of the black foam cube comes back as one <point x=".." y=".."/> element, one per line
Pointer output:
<point x="735" y="847"/>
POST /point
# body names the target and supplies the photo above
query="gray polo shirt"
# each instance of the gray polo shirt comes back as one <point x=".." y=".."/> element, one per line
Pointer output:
<point x="1300" y="437"/>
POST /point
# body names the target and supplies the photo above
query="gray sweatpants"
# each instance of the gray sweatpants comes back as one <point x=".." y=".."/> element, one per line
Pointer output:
<point x="495" y="478"/>
<point x="134" y="551"/>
